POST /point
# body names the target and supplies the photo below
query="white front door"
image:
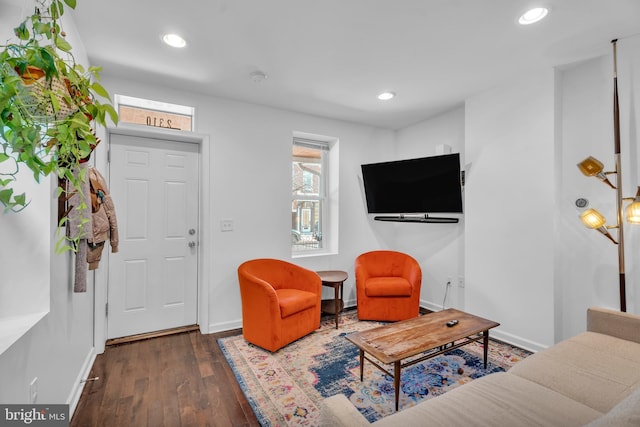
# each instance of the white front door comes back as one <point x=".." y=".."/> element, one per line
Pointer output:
<point x="153" y="278"/>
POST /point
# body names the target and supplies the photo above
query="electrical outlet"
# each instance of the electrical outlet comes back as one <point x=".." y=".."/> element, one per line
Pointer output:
<point x="33" y="390"/>
<point x="226" y="225"/>
<point x="461" y="281"/>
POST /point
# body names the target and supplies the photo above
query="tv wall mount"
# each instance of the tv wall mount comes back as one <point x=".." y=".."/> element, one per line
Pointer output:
<point x="424" y="219"/>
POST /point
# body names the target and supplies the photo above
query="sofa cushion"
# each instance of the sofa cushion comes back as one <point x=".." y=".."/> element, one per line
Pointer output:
<point x="293" y="301"/>
<point x="387" y="287"/>
<point x="594" y="369"/>
<point x="624" y="414"/>
<point x="499" y="399"/>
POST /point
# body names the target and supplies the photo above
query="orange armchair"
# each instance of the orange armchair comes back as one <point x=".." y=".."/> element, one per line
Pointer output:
<point x="387" y="286"/>
<point x="280" y="302"/>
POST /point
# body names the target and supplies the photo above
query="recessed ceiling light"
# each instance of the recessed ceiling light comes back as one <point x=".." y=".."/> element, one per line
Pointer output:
<point x="385" y="96"/>
<point x="533" y="15"/>
<point x="174" y="40"/>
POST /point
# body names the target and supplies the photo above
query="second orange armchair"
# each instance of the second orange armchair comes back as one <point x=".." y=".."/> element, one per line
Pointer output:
<point x="387" y="286"/>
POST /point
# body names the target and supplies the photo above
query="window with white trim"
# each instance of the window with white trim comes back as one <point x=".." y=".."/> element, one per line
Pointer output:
<point x="309" y="195"/>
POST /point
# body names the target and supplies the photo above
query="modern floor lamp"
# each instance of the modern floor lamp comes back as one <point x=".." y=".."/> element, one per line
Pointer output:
<point x="593" y="167"/>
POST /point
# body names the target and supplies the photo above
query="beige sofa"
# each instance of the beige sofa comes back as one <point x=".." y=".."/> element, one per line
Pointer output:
<point x="592" y="379"/>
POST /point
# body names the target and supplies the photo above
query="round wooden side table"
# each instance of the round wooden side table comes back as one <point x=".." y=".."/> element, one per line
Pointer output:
<point x="333" y="279"/>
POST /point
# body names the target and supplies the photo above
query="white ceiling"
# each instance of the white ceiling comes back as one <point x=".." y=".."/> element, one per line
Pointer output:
<point x="332" y="57"/>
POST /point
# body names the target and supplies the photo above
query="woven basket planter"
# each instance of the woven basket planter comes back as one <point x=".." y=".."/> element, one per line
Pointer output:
<point x="39" y="94"/>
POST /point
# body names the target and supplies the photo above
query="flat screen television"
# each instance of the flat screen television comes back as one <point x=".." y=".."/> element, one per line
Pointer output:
<point x="415" y="186"/>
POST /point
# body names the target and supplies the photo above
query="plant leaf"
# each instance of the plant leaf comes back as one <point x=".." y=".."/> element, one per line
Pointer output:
<point x="21" y="31"/>
<point x="3" y="157"/>
<point x="54" y="102"/>
<point x="5" y="196"/>
<point x="53" y="10"/>
<point x="62" y="44"/>
<point x="97" y="88"/>
<point x="48" y="62"/>
<point x="71" y="3"/>
<point x="20" y="199"/>
<point x="112" y="113"/>
<point x="62" y="247"/>
<point x="41" y="28"/>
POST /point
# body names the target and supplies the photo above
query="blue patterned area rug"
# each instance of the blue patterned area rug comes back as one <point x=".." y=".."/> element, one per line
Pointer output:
<point x="286" y="388"/>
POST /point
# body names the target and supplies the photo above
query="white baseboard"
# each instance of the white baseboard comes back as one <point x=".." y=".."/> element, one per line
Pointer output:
<point x="225" y="326"/>
<point x="496" y="333"/>
<point x="430" y="306"/>
<point x="79" y="383"/>
<point x="517" y="341"/>
<point x="350" y="303"/>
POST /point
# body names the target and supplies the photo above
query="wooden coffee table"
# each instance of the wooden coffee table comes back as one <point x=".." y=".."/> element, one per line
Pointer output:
<point x="428" y="334"/>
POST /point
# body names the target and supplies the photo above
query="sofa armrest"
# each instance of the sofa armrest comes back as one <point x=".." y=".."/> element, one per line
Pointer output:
<point x="338" y="411"/>
<point x="617" y="324"/>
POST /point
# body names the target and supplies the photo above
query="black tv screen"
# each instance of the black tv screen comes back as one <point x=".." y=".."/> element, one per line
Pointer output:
<point x="423" y="185"/>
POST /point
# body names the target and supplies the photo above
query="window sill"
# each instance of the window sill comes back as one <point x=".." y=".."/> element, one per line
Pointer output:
<point x="14" y="327"/>
<point x="312" y="254"/>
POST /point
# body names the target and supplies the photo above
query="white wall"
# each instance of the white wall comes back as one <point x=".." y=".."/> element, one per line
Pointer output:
<point x="529" y="261"/>
<point x="22" y="306"/>
<point x="504" y="244"/>
<point x="58" y="350"/>
<point x="629" y="87"/>
<point x="588" y="273"/>
<point x="589" y="269"/>
<point x="510" y="208"/>
<point x="250" y="184"/>
<point x="439" y="248"/>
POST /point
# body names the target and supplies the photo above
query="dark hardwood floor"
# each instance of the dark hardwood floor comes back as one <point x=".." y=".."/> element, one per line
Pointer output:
<point x="175" y="380"/>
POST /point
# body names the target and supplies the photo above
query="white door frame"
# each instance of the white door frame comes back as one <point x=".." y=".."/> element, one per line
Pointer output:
<point x="101" y="279"/>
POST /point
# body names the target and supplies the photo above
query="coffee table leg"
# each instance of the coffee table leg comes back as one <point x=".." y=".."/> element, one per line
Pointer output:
<point x="485" y="339"/>
<point x="396" y="381"/>
<point x="361" y="365"/>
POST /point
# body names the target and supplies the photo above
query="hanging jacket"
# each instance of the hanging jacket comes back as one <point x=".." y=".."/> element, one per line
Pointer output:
<point x="103" y="218"/>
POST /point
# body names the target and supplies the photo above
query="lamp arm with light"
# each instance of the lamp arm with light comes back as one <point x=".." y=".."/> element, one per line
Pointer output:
<point x="596" y="221"/>
<point x="594" y="167"/>
<point x="633" y="210"/>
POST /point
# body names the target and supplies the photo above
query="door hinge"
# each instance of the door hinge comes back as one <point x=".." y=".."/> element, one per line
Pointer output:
<point x="109" y="156"/>
<point x="106" y="309"/>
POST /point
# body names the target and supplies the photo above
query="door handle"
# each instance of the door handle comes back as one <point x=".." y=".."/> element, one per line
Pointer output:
<point x="192" y="244"/>
<point x="192" y="231"/>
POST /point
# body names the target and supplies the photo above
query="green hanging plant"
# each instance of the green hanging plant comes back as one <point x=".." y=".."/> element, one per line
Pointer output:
<point x="48" y="103"/>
